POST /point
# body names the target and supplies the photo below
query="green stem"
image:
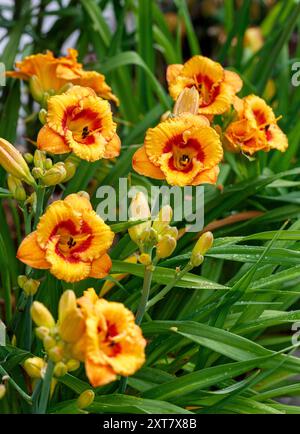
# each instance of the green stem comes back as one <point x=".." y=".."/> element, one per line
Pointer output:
<point x="45" y="391"/>
<point x="141" y="311"/>
<point x="168" y="287"/>
<point x="40" y="194"/>
<point x="28" y="324"/>
<point x="145" y="294"/>
<point x="21" y="392"/>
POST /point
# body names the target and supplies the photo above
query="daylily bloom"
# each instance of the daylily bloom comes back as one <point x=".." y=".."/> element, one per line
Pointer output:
<point x="216" y="86"/>
<point x="79" y="121"/>
<point x="51" y="74"/>
<point x="71" y="240"/>
<point x="184" y="150"/>
<point x="112" y="343"/>
<point x="255" y="128"/>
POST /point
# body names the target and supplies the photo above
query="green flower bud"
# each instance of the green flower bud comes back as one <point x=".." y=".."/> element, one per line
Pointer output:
<point x="165" y="247"/>
<point x="39" y="159"/>
<point x="55" y="175"/>
<point x="85" y="399"/>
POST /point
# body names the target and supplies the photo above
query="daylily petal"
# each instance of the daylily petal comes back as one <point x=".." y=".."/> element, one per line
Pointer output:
<point x="31" y="253"/>
<point x="99" y="375"/>
<point x="50" y="141"/>
<point x="100" y="267"/>
<point x="113" y="147"/>
<point x="143" y="166"/>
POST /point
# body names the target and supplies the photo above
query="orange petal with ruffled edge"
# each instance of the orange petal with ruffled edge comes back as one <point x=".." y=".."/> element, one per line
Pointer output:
<point x="113" y="147"/>
<point x="78" y="203"/>
<point x="143" y="166"/>
<point x="276" y="138"/>
<point x="99" y="375"/>
<point x="49" y="141"/>
<point x="234" y="80"/>
<point x="101" y="267"/>
<point x="173" y="71"/>
<point x="31" y="253"/>
<point x="207" y="176"/>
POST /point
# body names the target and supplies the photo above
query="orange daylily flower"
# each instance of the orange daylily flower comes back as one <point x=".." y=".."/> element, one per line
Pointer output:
<point x="79" y="121"/>
<point x="184" y="150"/>
<point x="52" y="74"/>
<point x="112" y="343"/>
<point x="216" y="86"/>
<point x="255" y="128"/>
<point x="71" y="240"/>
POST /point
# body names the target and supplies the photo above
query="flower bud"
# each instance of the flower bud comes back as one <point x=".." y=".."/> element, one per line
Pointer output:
<point x="145" y="259"/>
<point x="163" y="219"/>
<point x="60" y="369"/>
<point x="71" y="164"/>
<point x="85" y="399"/>
<point x="55" y="175"/>
<point x="41" y="315"/>
<point x="31" y="286"/>
<point x="37" y="172"/>
<point x="36" y="88"/>
<point x="39" y="159"/>
<point x="28" y="157"/>
<point x="56" y="354"/>
<point x="48" y="342"/>
<point x="187" y="102"/>
<point x="204" y="243"/>
<point x="42" y="332"/>
<point x="43" y="116"/>
<point x="22" y="279"/>
<point x="172" y="231"/>
<point x="67" y="303"/>
<point x="2" y="391"/>
<point x="13" y="162"/>
<point x="73" y="365"/>
<point x="165" y="247"/>
<point x="139" y="210"/>
<point x="15" y="186"/>
<point x="34" y="367"/>
<point x="72" y="327"/>
<point x="48" y="163"/>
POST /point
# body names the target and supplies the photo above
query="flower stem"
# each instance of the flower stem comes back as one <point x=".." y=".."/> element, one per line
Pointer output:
<point x="45" y="390"/>
<point x="168" y="287"/>
<point x="140" y="312"/>
<point x="40" y="194"/>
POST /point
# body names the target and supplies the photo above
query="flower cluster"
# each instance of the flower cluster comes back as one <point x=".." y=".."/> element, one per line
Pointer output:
<point x="100" y="333"/>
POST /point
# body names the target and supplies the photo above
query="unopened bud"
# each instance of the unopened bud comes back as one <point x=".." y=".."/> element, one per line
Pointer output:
<point x="34" y="367"/>
<point x="187" y="102"/>
<point x="73" y="365"/>
<point x="60" y="369"/>
<point x="56" y="354"/>
<point x="37" y="172"/>
<point x="85" y="399"/>
<point x="48" y="163"/>
<point x="2" y="391"/>
<point x="71" y="164"/>
<point x="196" y="260"/>
<point x="42" y="332"/>
<point x="14" y="163"/>
<point x="31" y="286"/>
<point x="28" y="157"/>
<point x="72" y="326"/>
<point x="203" y="244"/>
<point x="165" y="247"/>
<point x="55" y="175"/>
<point x="139" y="210"/>
<point x="48" y="342"/>
<point x="145" y="259"/>
<point x="172" y="231"/>
<point x="41" y="315"/>
<point x="36" y="88"/>
<point x="39" y="159"/>
<point x="15" y="186"/>
<point x="67" y="303"/>
<point x="163" y="219"/>
<point x="22" y="279"/>
<point x="43" y="116"/>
